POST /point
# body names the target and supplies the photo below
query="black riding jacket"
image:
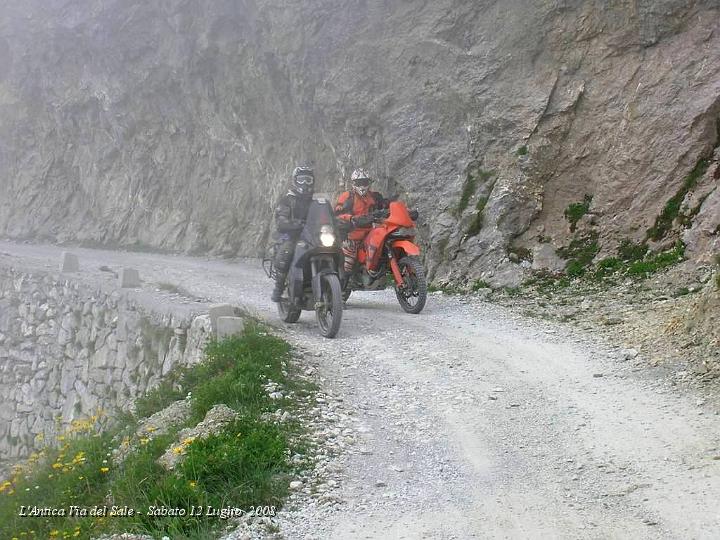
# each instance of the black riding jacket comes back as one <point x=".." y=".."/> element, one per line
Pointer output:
<point x="291" y="213"/>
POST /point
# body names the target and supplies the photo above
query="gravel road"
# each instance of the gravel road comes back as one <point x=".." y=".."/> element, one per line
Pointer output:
<point x="470" y="421"/>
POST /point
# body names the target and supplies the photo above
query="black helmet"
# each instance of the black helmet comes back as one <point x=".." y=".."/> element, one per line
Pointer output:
<point x="303" y="181"/>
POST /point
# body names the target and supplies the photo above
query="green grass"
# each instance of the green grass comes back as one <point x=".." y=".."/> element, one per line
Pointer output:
<point x="445" y="288"/>
<point x="522" y="151"/>
<point x="476" y="224"/>
<point x="607" y="267"/>
<point x="244" y="465"/>
<point x="480" y="284"/>
<point x="607" y="270"/>
<point x="686" y="219"/>
<point x="513" y="291"/>
<point x="631" y="251"/>
<point x="579" y="254"/>
<point x="468" y="191"/>
<point x="682" y="291"/>
<point x="475" y="176"/>
<point x="546" y="281"/>
<point x="575" y="211"/>
<point x="671" y="210"/>
<point x="655" y="262"/>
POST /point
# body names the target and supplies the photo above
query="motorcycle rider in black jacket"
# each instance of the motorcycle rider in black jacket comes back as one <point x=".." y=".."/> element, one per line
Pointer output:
<point x="290" y="214"/>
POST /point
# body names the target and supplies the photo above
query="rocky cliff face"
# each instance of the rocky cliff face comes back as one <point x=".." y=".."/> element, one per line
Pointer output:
<point x="174" y="124"/>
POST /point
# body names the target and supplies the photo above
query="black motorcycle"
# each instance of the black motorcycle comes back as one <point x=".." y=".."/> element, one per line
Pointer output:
<point x="313" y="281"/>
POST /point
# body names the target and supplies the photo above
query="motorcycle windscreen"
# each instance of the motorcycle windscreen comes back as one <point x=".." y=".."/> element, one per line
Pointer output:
<point x="399" y="215"/>
<point x="320" y="213"/>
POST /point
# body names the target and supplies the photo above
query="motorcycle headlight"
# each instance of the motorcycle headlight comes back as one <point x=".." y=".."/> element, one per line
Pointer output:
<point x="327" y="236"/>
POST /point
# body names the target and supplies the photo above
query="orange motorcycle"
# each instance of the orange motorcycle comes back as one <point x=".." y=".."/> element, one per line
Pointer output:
<point x="389" y="252"/>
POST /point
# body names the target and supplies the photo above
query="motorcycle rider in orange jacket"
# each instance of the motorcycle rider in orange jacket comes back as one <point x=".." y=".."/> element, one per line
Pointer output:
<point x="355" y="207"/>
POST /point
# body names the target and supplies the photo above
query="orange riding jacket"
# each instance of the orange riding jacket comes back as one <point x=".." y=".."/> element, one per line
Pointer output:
<point x="350" y="205"/>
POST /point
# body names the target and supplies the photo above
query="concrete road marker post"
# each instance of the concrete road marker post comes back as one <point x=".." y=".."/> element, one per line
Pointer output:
<point x="129" y="278"/>
<point x="69" y="262"/>
<point x="229" y="327"/>
<point x="219" y="310"/>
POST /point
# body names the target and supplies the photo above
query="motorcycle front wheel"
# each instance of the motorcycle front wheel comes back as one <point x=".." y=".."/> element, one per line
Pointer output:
<point x="413" y="295"/>
<point x="288" y="313"/>
<point x="329" y="310"/>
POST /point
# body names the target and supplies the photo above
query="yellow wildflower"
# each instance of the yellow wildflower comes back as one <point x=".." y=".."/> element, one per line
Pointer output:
<point x="54" y="532"/>
<point x="76" y="533"/>
<point x="150" y="429"/>
<point x="61" y="437"/>
<point x="144" y="440"/>
<point x="178" y="450"/>
<point x="193" y="483"/>
<point x="57" y="465"/>
<point x="6" y="484"/>
<point x="104" y="469"/>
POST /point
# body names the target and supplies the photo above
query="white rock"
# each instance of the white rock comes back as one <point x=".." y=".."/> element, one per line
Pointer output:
<point x="628" y="354"/>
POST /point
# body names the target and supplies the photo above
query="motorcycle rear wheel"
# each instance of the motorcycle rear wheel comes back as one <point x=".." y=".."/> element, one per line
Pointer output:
<point x="413" y="296"/>
<point x="329" y="313"/>
<point x="287" y="312"/>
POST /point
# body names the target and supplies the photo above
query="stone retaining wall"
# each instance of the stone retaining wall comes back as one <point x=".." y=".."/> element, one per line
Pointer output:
<point x="68" y="349"/>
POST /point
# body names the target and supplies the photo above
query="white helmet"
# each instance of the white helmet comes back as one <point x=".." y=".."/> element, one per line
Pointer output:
<point x="360" y="181"/>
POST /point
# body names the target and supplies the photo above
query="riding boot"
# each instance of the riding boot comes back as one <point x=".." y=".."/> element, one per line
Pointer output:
<point x="279" y="287"/>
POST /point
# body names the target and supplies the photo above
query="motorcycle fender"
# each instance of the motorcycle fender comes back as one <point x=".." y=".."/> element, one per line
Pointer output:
<point x="316" y="285"/>
<point x="407" y="246"/>
<point x="295" y="276"/>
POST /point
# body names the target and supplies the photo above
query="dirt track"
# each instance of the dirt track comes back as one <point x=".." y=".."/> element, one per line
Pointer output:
<point x="473" y="422"/>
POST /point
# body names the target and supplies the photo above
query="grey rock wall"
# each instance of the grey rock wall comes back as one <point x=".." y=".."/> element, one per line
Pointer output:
<point x="68" y="350"/>
<point x="173" y="125"/>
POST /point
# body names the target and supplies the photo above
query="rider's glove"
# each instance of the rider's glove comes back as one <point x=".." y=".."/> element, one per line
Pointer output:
<point x="362" y="221"/>
<point x="414" y="215"/>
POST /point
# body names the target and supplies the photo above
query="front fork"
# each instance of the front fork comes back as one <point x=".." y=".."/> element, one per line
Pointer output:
<point x="395" y="268"/>
<point x="317" y="275"/>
